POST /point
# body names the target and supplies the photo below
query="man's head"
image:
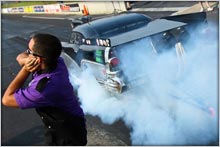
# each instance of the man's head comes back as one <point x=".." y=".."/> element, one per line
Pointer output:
<point x="47" y="47"/>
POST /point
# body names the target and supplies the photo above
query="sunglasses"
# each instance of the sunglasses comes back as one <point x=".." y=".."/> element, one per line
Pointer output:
<point x="28" y="51"/>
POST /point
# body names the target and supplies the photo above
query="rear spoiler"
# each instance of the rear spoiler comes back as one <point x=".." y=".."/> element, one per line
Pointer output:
<point x="160" y="25"/>
<point x="153" y="27"/>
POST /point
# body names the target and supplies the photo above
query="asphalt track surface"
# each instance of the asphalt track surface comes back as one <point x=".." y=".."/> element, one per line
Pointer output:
<point x="24" y="127"/>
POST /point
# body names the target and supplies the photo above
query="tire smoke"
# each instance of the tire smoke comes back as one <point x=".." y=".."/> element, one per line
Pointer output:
<point x="176" y="105"/>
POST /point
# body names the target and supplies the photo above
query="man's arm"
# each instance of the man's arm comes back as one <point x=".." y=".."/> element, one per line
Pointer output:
<point x="8" y="98"/>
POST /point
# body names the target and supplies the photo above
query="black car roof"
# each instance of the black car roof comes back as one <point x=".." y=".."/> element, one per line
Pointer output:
<point x="114" y="25"/>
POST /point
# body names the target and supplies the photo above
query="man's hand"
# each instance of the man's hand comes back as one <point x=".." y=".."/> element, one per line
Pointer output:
<point x="22" y="58"/>
<point x="32" y="64"/>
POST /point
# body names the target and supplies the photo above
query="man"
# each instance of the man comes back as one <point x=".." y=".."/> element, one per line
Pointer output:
<point x="50" y="92"/>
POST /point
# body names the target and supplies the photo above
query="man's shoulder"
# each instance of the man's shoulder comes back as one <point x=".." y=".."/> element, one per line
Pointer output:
<point x="42" y="83"/>
<point x="61" y="60"/>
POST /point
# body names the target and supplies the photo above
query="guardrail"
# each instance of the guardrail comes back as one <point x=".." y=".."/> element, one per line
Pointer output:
<point x="70" y="8"/>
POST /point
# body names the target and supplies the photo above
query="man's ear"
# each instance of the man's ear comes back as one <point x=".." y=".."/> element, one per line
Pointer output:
<point x="38" y="60"/>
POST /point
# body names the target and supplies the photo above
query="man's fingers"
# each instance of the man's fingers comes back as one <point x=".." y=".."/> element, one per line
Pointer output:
<point x="34" y="68"/>
<point x="31" y="62"/>
<point x="32" y="65"/>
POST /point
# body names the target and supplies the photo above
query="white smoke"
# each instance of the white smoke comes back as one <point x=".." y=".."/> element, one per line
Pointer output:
<point x="175" y="105"/>
<point x="95" y="100"/>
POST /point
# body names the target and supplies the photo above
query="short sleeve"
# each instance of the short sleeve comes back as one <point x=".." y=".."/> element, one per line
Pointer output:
<point x="30" y="98"/>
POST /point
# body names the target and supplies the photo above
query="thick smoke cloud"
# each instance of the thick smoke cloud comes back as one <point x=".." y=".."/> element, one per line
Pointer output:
<point x="174" y="103"/>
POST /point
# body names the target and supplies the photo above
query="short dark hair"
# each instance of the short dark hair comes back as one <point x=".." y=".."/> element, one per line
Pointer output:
<point x="48" y="46"/>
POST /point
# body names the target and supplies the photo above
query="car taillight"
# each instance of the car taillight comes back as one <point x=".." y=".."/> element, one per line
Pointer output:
<point x="114" y="62"/>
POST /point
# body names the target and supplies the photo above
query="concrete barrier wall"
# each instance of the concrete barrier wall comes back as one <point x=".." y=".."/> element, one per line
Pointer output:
<point x="104" y="7"/>
<point x="107" y="7"/>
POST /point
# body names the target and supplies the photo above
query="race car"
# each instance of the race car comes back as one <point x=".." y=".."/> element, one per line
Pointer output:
<point x="96" y="44"/>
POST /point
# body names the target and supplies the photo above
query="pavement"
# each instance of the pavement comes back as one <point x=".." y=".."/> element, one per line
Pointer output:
<point x="97" y="132"/>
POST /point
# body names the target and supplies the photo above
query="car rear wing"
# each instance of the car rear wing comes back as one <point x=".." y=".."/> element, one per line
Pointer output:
<point x="160" y="25"/>
<point x="153" y="27"/>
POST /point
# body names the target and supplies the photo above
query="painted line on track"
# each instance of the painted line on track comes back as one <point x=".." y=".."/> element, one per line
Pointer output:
<point x="160" y="9"/>
<point x="39" y="17"/>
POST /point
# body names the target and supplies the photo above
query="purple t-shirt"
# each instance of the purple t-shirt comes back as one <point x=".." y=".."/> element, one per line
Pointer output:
<point x="58" y="92"/>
